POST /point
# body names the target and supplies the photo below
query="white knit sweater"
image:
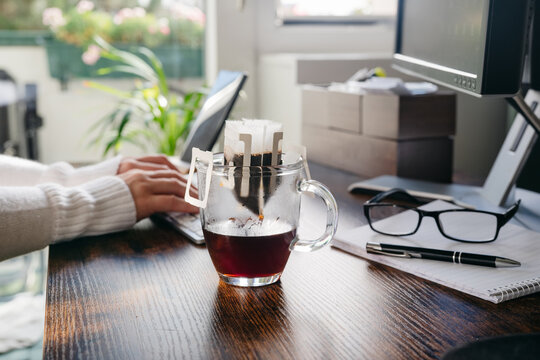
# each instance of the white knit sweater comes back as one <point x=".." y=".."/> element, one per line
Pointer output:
<point x="40" y="204"/>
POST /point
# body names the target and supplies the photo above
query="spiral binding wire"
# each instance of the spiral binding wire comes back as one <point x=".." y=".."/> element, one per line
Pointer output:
<point x="515" y="290"/>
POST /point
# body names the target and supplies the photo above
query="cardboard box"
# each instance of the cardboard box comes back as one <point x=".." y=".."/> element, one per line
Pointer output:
<point x="426" y="159"/>
<point x="345" y="111"/>
<point x="410" y="116"/>
<point x="315" y="105"/>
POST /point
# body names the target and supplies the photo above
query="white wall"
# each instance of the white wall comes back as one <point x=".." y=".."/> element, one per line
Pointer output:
<point x="231" y="45"/>
<point x="272" y="38"/>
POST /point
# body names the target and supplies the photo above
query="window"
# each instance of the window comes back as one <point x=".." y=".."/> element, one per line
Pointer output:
<point x="338" y="12"/>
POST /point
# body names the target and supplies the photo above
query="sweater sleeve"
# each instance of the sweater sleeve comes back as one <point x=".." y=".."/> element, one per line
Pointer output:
<point x="15" y="171"/>
<point x="34" y="217"/>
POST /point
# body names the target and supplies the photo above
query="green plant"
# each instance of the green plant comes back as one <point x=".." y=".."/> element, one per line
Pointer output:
<point x="80" y="28"/>
<point x="20" y="15"/>
<point x="148" y="114"/>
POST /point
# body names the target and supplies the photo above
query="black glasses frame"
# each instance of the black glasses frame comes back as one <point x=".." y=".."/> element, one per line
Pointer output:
<point x="502" y="219"/>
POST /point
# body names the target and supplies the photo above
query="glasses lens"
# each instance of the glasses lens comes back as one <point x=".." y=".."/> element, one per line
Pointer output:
<point x="469" y="225"/>
<point x="404" y="221"/>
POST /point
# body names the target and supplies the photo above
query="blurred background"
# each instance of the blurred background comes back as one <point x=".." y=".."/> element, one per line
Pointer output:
<point x="281" y="44"/>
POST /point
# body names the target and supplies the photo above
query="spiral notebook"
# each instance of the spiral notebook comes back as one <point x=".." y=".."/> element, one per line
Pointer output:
<point x="492" y="284"/>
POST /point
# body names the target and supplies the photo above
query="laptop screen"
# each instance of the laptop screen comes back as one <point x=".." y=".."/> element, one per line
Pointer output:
<point x="215" y="110"/>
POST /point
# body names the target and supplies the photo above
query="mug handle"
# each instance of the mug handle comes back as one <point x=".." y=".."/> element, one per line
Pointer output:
<point x="317" y="188"/>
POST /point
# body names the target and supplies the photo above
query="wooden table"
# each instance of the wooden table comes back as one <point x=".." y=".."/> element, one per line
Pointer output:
<point x="148" y="293"/>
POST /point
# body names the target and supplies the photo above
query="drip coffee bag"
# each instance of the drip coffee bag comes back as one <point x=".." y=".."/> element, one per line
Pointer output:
<point x="252" y="147"/>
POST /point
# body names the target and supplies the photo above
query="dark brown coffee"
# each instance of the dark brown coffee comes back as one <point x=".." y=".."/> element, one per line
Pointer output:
<point x="264" y="159"/>
<point x="249" y="256"/>
<point x="258" y="172"/>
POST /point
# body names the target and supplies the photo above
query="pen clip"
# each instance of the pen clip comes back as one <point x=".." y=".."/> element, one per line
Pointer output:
<point x="395" y="253"/>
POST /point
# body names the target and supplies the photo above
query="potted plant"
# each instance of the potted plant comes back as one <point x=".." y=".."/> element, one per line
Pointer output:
<point x="176" y="40"/>
<point x="148" y="115"/>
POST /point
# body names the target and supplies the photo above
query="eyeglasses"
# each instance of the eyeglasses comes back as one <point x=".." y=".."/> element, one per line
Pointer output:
<point x="465" y="225"/>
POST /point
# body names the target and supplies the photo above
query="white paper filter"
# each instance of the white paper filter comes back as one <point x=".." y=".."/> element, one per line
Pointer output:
<point x="262" y="136"/>
<point x="252" y="144"/>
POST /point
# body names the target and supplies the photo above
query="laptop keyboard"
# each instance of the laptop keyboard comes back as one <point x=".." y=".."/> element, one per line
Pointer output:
<point x="189" y="222"/>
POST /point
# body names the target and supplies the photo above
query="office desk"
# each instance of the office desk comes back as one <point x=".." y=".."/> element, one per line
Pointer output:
<point x="148" y="293"/>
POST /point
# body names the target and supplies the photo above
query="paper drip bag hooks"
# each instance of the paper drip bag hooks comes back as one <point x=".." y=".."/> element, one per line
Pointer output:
<point x="252" y="151"/>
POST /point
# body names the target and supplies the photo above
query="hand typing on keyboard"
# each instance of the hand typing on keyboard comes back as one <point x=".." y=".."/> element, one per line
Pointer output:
<point x="155" y="185"/>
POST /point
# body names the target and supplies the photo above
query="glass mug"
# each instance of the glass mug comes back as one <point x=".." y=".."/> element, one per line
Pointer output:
<point x="247" y="247"/>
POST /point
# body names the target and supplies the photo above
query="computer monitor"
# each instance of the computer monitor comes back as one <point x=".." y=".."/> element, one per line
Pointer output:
<point x="473" y="46"/>
<point x="478" y="47"/>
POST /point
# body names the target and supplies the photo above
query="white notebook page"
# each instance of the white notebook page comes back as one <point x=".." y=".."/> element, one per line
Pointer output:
<point x="492" y="284"/>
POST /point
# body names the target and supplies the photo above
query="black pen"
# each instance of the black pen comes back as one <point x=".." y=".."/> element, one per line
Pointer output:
<point x="456" y="257"/>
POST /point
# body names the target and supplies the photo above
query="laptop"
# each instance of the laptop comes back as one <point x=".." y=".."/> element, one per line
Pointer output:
<point x="203" y="135"/>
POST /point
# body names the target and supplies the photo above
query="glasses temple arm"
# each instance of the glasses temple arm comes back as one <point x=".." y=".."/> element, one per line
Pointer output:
<point x="510" y="212"/>
<point x="391" y="192"/>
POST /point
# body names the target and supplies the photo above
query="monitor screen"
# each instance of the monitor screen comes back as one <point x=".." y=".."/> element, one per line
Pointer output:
<point x="458" y="27"/>
<point x="474" y="46"/>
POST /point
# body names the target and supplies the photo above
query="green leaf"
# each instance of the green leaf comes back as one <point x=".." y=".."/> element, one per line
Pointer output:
<point x="194" y="100"/>
<point x="132" y="138"/>
<point x="102" y="43"/>
<point x="108" y="89"/>
<point x="158" y="68"/>
<point x="104" y="121"/>
<point x="110" y="145"/>
<point x="126" y="57"/>
<point x="102" y="125"/>
<point x="116" y="142"/>
<point x="146" y="133"/>
<point x="138" y="104"/>
<point x="125" y="120"/>
<point x="125" y="69"/>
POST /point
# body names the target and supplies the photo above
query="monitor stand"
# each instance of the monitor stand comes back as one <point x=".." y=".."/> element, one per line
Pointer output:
<point x="499" y="190"/>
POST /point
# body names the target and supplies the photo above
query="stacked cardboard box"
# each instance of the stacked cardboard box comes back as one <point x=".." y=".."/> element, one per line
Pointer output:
<point x="381" y="134"/>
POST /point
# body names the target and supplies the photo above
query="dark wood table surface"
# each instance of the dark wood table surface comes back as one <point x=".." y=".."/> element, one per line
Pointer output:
<point x="148" y="293"/>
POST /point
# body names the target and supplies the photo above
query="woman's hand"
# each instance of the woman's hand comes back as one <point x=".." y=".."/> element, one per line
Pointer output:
<point x="156" y="191"/>
<point x="152" y="163"/>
